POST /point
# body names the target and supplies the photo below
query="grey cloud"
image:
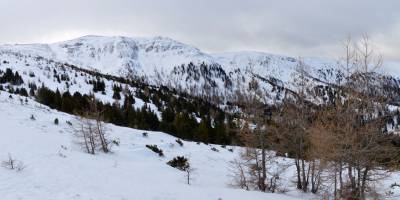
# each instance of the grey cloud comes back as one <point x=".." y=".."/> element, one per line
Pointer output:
<point x="292" y="27"/>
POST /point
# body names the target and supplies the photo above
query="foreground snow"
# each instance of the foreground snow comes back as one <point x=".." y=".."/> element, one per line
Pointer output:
<point x="57" y="169"/>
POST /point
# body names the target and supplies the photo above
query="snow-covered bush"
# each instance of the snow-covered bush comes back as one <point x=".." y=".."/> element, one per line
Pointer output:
<point x="179" y="141"/>
<point x="155" y="149"/>
<point x="214" y="149"/>
<point x="13" y="164"/>
<point x="116" y="142"/>
<point x="179" y="162"/>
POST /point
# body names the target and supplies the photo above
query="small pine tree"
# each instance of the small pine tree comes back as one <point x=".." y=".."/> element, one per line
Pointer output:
<point x="179" y="162"/>
<point x="116" y="95"/>
<point x="31" y="92"/>
<point x="117" y="90"/>
<point x="23" y="92"/>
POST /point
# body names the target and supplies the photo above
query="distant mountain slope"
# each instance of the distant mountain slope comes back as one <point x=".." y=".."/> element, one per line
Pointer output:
<point x="116" y="55"/>
<point x="164" y="61"/>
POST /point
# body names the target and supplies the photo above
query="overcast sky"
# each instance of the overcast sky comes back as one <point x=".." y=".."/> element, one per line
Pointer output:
<point x="290" y="27"/>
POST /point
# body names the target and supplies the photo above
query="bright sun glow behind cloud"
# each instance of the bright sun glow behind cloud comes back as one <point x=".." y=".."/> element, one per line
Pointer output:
<point x="71" y="34"/>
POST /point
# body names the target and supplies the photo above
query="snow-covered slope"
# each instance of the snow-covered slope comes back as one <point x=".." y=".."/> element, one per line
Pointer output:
<point x="164" y="61"/>
<point x="116" y="55"/>
<point x="160" y="60"/>
<point x="56" y="168"/>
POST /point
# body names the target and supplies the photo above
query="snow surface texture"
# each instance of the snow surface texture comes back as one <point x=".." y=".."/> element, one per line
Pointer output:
<point x="56" y="168"/>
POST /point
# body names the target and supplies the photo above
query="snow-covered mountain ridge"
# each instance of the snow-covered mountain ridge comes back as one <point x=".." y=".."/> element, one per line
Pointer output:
<point x="115" y="54"/>
<point x="164" y="61"/>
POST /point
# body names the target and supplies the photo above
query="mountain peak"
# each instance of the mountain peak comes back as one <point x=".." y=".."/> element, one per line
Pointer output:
<point x="121" y="55"/>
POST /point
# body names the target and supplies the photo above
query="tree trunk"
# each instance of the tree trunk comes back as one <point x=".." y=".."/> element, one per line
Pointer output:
<point x="352" y="181"/>
<point x="299" y="184"/>
<point x="335" y="184"/>
<point x="363" y="183"/>
<point x="100" y="132"/>
<point x="341" y="177"/>
<point x="264" y="170"/>
<point x="304" y="186"/>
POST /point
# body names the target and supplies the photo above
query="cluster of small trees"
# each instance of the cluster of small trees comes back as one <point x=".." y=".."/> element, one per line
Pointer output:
<point x="185" y="125"/>
<point x="90" y="130"/>
<point x="10" y="89"/>
<point x="98" y="85"/>
<point x="14" y="79"/>
<point x="178" y="113"/>
<point x="340" y="144"/>
<point x="182" y="123"/>
<point x="9" y="77"/>
<point x="124" y="115"/>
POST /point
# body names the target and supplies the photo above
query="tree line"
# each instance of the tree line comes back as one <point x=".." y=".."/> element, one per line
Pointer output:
<point x="180" y="115"/>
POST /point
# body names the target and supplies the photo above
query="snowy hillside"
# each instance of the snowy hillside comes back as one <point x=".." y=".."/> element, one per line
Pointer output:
<point x="56" y="168"/>
<point x="163" y="61"/>
<point x="116" y="55"/>
<point x="57" y="76"/>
